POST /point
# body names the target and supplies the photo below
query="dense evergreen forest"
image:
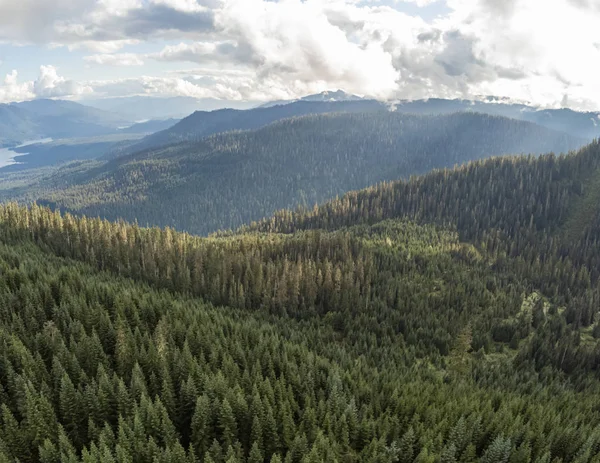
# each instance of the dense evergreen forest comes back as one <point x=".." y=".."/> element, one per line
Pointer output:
<point x="447" y="318"/>
<point x="203" y="123"/>
<point x="230" y="179"/>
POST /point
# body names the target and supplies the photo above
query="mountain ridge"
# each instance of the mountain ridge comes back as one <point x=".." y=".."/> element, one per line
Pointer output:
<point x="325" y="96"/>
<point x="225" y="180"/>
<point x="204" y="123"/>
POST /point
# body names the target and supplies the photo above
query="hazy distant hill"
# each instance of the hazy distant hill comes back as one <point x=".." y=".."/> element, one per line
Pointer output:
<point x="233" y="178"/>
<point x="151" y="126"/>
<point x="55" y="119"/>
<point x="16" y="125"/>
<point x="579" y="124"/>
<point x="147" y="107"/>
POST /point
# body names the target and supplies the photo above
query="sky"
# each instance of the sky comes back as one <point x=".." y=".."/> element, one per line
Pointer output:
<point x="541" y="52"/>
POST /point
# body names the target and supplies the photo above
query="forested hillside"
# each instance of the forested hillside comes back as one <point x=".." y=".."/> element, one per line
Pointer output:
<point x="226" y="180"/>
<point x="362" y="336"/>
<point x="538" y="216"/>
<point x="201" y="124"/>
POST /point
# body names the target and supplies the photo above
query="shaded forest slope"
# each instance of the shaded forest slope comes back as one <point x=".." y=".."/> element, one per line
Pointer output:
<point x="227" y="180"/>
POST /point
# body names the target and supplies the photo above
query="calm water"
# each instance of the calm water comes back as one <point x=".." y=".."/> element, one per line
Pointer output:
<point x="7" y="155"/>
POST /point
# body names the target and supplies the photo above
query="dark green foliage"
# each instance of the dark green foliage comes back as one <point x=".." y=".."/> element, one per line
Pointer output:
<point x="226" y="180"/>
<point x="361" y="336"/>
<point x="201" y="124"/>
<point x="204" y="123"/>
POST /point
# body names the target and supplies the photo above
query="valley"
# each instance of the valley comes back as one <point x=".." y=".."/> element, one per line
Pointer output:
<point x="356" y="325"/>
<point x="226" y="180"/>
<point x="350" y="286"/>
<point x="299" y="231"/>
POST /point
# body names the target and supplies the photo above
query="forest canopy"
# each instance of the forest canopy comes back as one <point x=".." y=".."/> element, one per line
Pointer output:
<point x="450" y="317"/>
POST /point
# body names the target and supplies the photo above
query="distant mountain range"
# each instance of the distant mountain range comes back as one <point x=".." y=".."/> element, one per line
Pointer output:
<point x="579" y="124"/>
<point x="576" y="123"/>
<point x="201" y="124"/>
<point x="327" y="96"/>
<point x="148" y="107"/>
<point x="58" y="119"/>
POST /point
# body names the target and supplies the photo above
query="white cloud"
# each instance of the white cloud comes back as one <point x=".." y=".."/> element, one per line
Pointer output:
<point x="12" y="90"/>
<point x="149" y="85"/>
<point x="181" y="5"/>
<point x="286" y="48"/>
<point x="197" y="52"/>
<point x="116" y="59"/>
<point x="524" y="35"/>
<point x="420" y="3"/>
<point x="295" y="45"/>
<point x="48" y="85"/>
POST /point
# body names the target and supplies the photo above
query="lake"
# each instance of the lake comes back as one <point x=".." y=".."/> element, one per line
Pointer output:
<point x="7" y="155"/>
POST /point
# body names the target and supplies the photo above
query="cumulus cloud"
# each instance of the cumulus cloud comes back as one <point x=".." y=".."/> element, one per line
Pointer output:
<point x="149" y="85"/>
<point x="301" y="45"/>
<point x="156" y="20"/>
<point x="12" y="90"/>
<point x="286" y="48"/>
<point x="521" y="35"/>
<point x="197" y="52"/>
<point x="48" y="85"/>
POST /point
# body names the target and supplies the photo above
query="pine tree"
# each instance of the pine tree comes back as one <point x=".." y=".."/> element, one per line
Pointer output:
<point x="498" y="451"/>
<point x="256" y="455"/>
<point x="448" y="454"/>
<point x="459" y="361"/>
<point x="406" y="449"/>
<point x="48" y="453"/>
<point x="70" y="408"/>
<point x="201" y="427"/>
<point x="227" y="424"/>
<point x="12" y="436"/>
<point x="256" y="432"/>
<point x="271" y="436"/>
